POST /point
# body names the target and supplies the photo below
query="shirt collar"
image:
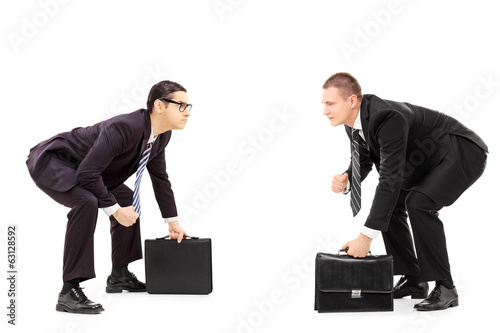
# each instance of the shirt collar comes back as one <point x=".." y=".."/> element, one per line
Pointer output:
<point x="357" y="122"/>
<point x="152" y="138"/>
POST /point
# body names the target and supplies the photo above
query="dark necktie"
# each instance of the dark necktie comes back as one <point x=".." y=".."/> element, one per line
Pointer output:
<point x="140" y="170"/>
<point x="356" y="174"/>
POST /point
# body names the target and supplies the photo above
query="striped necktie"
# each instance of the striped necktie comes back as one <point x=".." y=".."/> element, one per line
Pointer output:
<point x="356" y="174"/>
<point x="140" y="170"/>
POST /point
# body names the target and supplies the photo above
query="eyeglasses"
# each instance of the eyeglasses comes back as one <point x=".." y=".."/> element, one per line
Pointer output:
<point x="182" y="106"/>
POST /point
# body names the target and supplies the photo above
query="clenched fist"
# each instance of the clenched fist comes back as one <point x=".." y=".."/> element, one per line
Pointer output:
<point x="339" y="183"/>
<point x="126" y="216"/>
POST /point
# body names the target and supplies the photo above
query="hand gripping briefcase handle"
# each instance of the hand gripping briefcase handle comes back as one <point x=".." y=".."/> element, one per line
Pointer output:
<point x="345" y="251"/>
<point x="185" y="237"/>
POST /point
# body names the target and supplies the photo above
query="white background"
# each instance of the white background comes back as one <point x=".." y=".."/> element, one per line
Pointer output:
<point x="73" y="64"/>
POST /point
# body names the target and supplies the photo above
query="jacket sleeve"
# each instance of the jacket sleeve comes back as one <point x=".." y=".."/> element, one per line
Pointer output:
<point x="392" y="135"/>
<point x="157" y="170"/>
<point x="110" y="142"/>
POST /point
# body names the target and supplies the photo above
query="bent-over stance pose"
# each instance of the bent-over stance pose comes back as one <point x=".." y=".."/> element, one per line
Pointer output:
<point x="85" y="169"/>
<point x="425" y="160"/>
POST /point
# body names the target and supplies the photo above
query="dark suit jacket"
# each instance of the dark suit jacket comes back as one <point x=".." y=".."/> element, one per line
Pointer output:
<point x="405" y="142"/>
<point x="101" y="157"/>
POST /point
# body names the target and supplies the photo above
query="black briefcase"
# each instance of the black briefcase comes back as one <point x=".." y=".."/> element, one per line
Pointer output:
<point x="173" y="268"/>
<point x="348" y="284"/>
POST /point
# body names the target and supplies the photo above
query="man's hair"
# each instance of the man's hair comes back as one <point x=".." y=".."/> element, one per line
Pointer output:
<point x="345" y="83"/>
<point x="163" y="89"/>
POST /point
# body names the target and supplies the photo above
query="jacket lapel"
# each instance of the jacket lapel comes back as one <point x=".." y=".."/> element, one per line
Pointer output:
<point x="146" y="135"/>
<point x="365" y="103"/>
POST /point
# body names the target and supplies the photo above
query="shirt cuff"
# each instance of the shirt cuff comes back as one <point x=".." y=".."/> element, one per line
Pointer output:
<point x="372" y="233"/>
<point x="171" y="219"/>
<point x="347" y="188"/>
<point x="111" y="209"/>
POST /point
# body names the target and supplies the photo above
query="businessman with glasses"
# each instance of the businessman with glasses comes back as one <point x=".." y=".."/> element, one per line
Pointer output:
<point x="85" y="169"/>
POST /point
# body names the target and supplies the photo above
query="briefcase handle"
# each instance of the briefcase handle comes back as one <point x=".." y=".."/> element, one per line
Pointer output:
<point x="345" y="251"/>
<point x="185" y="237"/>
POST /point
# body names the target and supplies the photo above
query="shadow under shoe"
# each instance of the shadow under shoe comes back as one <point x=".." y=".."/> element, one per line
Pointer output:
<point x="440" y="298"/>
<point x="128" y="282"/>
<point x="405" y="287"/>
<point x="75" y="301"/>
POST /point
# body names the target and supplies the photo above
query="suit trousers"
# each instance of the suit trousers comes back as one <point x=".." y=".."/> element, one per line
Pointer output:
<point x="78" y="258"/>
<point x="441" y="187"/>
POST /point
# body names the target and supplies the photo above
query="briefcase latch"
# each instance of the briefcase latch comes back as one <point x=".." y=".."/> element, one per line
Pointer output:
<point x="356" y="293"/>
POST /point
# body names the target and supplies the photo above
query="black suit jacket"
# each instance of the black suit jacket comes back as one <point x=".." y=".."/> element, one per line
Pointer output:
<point x="405" y="142"/>
<point x="102" y="157"/>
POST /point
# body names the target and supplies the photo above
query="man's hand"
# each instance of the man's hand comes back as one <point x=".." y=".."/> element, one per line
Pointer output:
<point x="126" y="216"/>
<point x="175" y="231"/>
<point x="339" y="183"/>
<point x="359" y="247"/>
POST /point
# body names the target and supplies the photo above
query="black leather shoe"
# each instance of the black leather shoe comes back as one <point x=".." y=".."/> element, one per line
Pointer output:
<point x="406" y="288"/>
<point x="440" y="298"/>
<point x="128" y="282"/>
<point x="75" y="301"/>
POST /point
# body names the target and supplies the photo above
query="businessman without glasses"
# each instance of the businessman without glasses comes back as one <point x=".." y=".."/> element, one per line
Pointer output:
<point x="425" y="160"/>
<point x="85" y="169"/>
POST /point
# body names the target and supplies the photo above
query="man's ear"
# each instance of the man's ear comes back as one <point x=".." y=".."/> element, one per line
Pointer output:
<point x="158" y="105"/>
<point x="353" y="100"/>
